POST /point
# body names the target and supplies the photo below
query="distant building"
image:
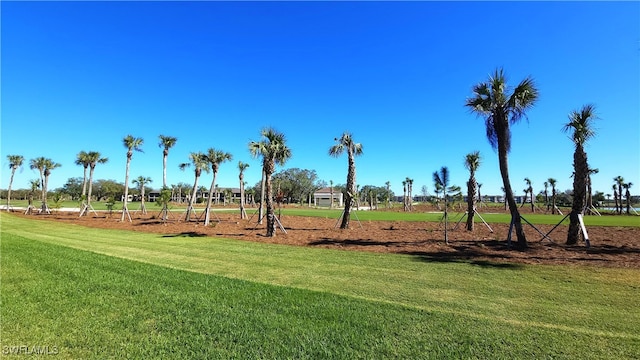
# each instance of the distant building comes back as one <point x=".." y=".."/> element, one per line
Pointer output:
<point x="322" y="197"/>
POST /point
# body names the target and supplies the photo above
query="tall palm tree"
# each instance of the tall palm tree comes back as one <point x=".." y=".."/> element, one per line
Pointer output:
<point x="166" y="143"/>
<point x="141" y="182"/>
<point x="44" y="166"/>
<point x="404" y="195"/>
<point x="200" y="163"/>
<point x="242" y="167"/>
<point x="581" y="127"/>
<point x="615" y="195"/>
<point x="346" y="144"/>
<point x="15" y="162"/>
<point x="589" y="196"/>
<point x="94" y="159"/>
<point x="274" y="150"/>
<point x="331" y="194"/>
<point x="500" y="109"/>
<point x="619" y="180"/>
<point x="132" y="144"/>
<point x="471" y="162"/>
<point x="553" y="183"/>
<point x="83" y="159"/>
<point x="215" y="158"/>
<point x="441" y="179"/>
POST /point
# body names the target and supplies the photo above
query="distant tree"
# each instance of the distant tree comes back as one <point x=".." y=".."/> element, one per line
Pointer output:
<point x="166" y="143"/>
<point x="388" y="199"/>
<point x="44" y="166"/>
<point x="132" y="144"/>
<point x="546" y="194"/>
<point x="442" y="180"/>
<point x="346" y="144"/>
<point x="141" y="182"/>
<point x="529" y="191"/>
<point x="242" y="167"/>
<point x="471" y="162"/>
<point x="581" y="127"/>
<point x="73" y="188"/>
<point x="553" y="182"/>
<point x="627" y="196"/>
<point x="200" y="163"/>
<point x="500" y="109"/>
<point x="273" y="150"/>
<point x="93" y="158"/>
<point x="215" y="158"/>
<point x="15" y="162"/>
<point x="619" y="180"/>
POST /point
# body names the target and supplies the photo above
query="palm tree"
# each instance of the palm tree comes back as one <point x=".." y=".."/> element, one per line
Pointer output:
<point x="131" y="143"/>
<point x="82" y="159"/>
<point x="615" y="196"/>
<point x="353" y="149"/>
<point x="529" y="190"/>
<point x="619" y="180"/>
<point x="93" y="158"/>
<point x="404" y="194"/>
<point x="15" y="162"/>
<point x="441" y="179"/>
<point x="166" y="143"/>
<point x="500" y="109"/>
<point x="331" y="193"/>
<point x="200" y="163"/>
<point x="553" y="183"/>
<point x="471" y="162"/>
<point x="627" y="196"/>
<point x="44" y="166"/>
<point x="388" y="185"/>
<point x="274" y="150"/>
<point x="546" y="194"/>
<point x="141" y="181"/>
<point x="589" y="199"/>
<point x="242" y="167"/>
<point x="215" y="158"/>
<point x="581" y="125"/>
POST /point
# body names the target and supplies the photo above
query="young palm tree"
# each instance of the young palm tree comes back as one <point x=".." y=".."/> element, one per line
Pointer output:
<point x="15" y="162"/>
<point x="274" y="150"/>
<point x="83" y="159"/>
<point x="166" y="143"/>
<point x="589" y="196"/>
<point x="553" y="183"/>
<point x="388" y="185"/>
<point x="35" y="184"/>
<point x="471" y="162"/>
<point x="500" y="109"/>
<point x="441" y="179"/>
<point x="619" y="180"/>
<point x="44" y="166"/>
<point x="131" y="143"/>
<point x="546" y="193"/>
<point x="353" y="149"/>
<point x="581" y="125"/>
<point x="94" y="159"/>
<point x="404" y="194"/>
<point x="141" y="182"/>
<point x="215" y="158"/>
<point x="242" y="167"/>
<point x="200" y="163"/>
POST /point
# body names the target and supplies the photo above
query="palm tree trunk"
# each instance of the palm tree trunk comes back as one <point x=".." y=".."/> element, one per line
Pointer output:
<point x="125" y="209"/>
<point x="90" y="186"/>
<point x="84" y="183"/>
<point x="243" y="213"/>
<point x="192" y="198"/>
<point x="351" y="177"/>
<point x="207" y="214"/>
<point x="13" y="171"/>
<point x="271" y="221"/>
<point x="510" y="200"/>
<point x="579" y="190"/>
<point x="262" y="190"/>
<point x="164" y="169"/>
<point x="471" y="192"/>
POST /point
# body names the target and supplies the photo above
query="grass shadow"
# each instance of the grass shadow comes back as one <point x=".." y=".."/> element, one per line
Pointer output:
<point x="185" y="234"/>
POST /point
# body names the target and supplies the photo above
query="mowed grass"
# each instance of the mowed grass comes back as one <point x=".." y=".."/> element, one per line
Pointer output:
<point x="93" y="293"/>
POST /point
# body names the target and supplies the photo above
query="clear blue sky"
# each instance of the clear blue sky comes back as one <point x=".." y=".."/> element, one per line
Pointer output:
<point x="82" y="75"/>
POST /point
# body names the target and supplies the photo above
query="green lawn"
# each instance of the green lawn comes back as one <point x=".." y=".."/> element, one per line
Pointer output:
<point x="93" y="293"/>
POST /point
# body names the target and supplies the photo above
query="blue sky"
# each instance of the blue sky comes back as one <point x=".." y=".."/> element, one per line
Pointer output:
<point x="82" y="75"/>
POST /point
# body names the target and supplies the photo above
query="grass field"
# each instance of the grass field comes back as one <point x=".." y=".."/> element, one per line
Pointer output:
<point x="92" y="293"/>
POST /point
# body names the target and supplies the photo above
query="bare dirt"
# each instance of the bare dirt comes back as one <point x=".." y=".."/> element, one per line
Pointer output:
<point x="610" y="246"/>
